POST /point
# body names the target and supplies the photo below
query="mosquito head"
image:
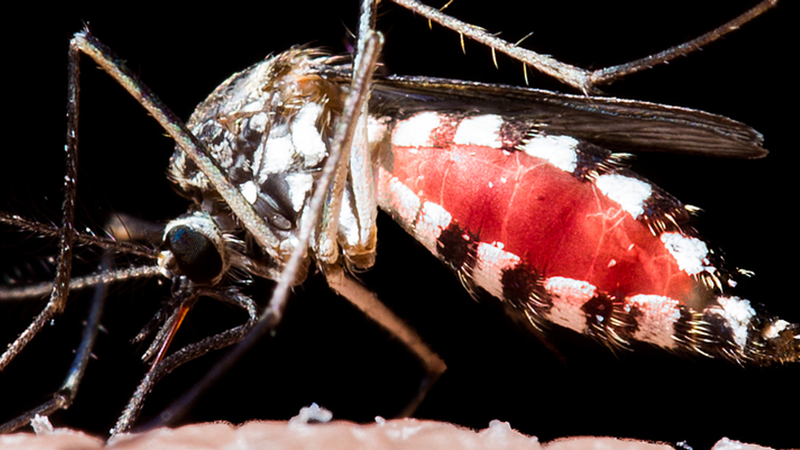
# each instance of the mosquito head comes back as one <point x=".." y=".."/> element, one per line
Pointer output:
<point x="195" y="247"/>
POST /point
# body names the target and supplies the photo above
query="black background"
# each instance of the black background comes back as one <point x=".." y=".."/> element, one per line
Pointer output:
<point x="325" y="351"/>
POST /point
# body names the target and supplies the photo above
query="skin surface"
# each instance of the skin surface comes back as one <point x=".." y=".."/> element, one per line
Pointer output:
<point x="394" y="435"/>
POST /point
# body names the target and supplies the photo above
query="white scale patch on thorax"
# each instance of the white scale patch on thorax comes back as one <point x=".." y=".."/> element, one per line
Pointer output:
<point x="275" y="156"/>
<point x="416" y="131"/>
<point x="249" y="191"/>
<point x="690" y="253"/>
<point x="279" y="154"/>
<point x="568" y="297"/>
<point x="300" y="185"/>
<point x="305" y="134"/>
<point x="480" y="130"/>
<point x="629" y="192"/>
<point x="287" y="142"/>
<point x="557" y="150"/>
<point x="259" y="122"/>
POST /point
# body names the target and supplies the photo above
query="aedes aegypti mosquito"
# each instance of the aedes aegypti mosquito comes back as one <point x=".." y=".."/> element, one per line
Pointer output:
<point x="504" y="377"/>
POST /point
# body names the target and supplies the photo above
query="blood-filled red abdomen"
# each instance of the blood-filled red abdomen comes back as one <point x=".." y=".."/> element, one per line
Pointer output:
<point x="558" y="224"/>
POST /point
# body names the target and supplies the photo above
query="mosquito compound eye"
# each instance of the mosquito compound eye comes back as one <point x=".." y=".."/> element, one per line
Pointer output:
<point x="194" y="253"/>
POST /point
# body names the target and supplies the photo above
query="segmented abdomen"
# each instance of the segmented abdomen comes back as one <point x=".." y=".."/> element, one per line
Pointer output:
<point x="555" y="227"/>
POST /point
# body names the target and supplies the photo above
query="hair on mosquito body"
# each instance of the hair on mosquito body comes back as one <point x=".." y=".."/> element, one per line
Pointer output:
<point x="325" y="351"/>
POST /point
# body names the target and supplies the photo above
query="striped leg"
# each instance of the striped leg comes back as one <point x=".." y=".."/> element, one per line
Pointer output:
<point x="372" y="307"/>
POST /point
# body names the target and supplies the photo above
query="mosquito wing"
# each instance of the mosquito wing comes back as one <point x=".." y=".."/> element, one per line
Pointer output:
<point x="612" y="123"/>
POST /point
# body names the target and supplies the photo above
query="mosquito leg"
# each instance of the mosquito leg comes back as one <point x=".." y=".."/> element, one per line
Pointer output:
<point x="369" y="304"/>
<point x="358" y="209"/>
<point x="608" y="75"/>
<point x="360" y="248"/>
<point x="47" y="230"/>
<point x="77" y="283"/>
<point x="66" y="233"/>
<point x="351" y="210"/>
<point x="194" y="149"/>
<point x="63" y="398"/>
<point x="584" y="80"/>
<point x="188" y="353"/>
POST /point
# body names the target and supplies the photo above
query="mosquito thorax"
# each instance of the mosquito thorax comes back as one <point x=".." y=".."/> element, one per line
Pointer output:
<point x="268" y="129"/>
<point x="194" y="247"/>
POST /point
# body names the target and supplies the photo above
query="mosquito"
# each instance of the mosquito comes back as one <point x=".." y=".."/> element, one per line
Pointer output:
<point x="728" y="246"/>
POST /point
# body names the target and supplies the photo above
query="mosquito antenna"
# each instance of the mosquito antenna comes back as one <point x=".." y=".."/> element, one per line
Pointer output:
<point x="66" y="232"/>
<point x="78" y="283"/>
<point x="49" y="230"/>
